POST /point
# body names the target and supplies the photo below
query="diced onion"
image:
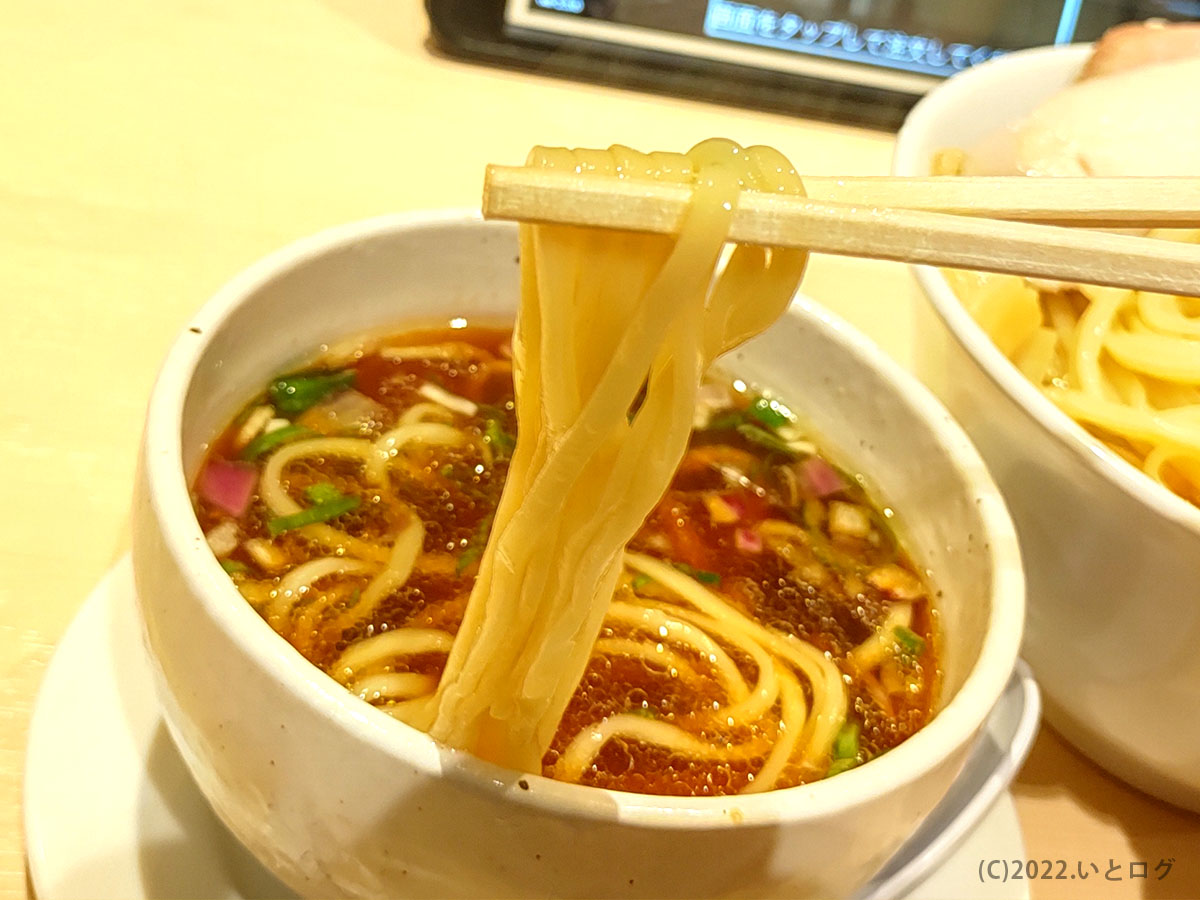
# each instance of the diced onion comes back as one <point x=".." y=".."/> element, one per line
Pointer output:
<point x="255" y="422"/>
<point x="445" y="398"/>
<point x="793" y="436"/>
<point x="747" y="540"/>
<point x="266" y="554"/>
<point x="223" y="538"/>
<point x="896" y="582"/>
<point x="849" y="519"/>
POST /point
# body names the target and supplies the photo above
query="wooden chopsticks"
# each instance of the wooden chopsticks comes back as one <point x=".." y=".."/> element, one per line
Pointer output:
<point x="1090" y="202"/>
<point x="990" y="224"/>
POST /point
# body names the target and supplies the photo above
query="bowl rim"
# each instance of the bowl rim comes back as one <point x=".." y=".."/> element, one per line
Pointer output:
<point x="952" y="727"/>
<point x="1067" y="433"/>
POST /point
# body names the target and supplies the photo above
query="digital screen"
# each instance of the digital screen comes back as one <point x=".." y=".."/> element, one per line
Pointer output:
<point x="910" y="48"/>
<point x="903" y="45"/>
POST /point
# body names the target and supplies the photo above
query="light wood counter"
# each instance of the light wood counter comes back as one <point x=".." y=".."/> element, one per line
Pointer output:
<point x="149" y="150"/>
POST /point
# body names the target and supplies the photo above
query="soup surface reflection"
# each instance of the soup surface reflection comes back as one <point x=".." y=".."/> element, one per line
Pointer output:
<point x="350" y="503"/>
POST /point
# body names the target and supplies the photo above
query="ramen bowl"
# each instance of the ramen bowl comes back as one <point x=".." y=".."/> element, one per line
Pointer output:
<point x="336" y="797"/>
<point x="1110" y="555"/>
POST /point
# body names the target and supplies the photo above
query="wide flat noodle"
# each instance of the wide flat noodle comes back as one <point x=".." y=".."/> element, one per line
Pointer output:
<point x="613" y="335"/>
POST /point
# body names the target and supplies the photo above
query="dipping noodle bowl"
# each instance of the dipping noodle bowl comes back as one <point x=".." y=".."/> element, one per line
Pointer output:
<point x="796" y="634"/>
<point x="1121" y="363"/>
<point x="1083" y="401"/>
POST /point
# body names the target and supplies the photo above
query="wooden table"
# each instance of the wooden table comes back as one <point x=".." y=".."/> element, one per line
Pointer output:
<point x="150" y="149"/>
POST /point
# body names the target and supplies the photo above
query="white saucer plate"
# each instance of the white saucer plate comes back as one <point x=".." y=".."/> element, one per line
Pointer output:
<point x="111" y="811"/>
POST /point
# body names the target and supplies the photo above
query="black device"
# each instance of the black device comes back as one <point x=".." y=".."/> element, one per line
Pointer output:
<point x="859" y="61"/>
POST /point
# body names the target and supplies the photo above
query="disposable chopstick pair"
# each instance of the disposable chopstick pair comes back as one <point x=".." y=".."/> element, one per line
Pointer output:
<point x="990" y="224"/>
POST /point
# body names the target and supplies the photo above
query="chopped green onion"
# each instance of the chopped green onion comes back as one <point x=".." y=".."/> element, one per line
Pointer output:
<point x="321" y="512"/>
<point x="699" y="574"/>
<point x="470" y="555"/>
<point x="502" y="442"/>
<point x="769" y="412"/>
<point x="293" y="394"/>
<point x="908" y="639"/>
<point x="233" y="567"/>
<point x="475" y="545"/>
<point x="323" y="492"/>
<point x="756" y="435"/>
<point x="640" y="580"/>
<point x="646" y="712"/>
<point x="269" y="440"/>
<point x="845" y="745"/>
<point x="838" y="766"/>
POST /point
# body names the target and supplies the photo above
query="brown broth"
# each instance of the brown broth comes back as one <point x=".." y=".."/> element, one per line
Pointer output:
<point x="820" y="592"/>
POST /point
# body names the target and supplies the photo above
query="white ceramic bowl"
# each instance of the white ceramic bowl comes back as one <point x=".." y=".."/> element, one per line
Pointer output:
<point x="337" y="798"/>
<point x="1112" y="558"/>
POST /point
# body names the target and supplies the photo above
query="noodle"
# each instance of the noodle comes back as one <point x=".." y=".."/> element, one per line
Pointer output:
<point x="298" y="581"/>
<point x="824" y="679"/>
<point x="650" y="654"/>
<point x="403" y="558"/>
<point x="581" y="751"/>
<point x="1124" y="364"/>
<point x="393" y="686"/>
<point x="1098" y="352"/>
<point x="761" y="697"/>
<point x="625" y="326"/>
<point x="278" y="500"/>
<point x="792" y="719"/>
<point x="685" y="635"/>
<point x="383" y="648"/>
<point x="389" y="445"/>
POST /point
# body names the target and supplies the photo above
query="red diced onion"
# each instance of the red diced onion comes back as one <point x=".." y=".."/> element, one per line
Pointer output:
<point x="747" y="540"/>
<point x="822" y="478"/>
<point x="228" y="485"/>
